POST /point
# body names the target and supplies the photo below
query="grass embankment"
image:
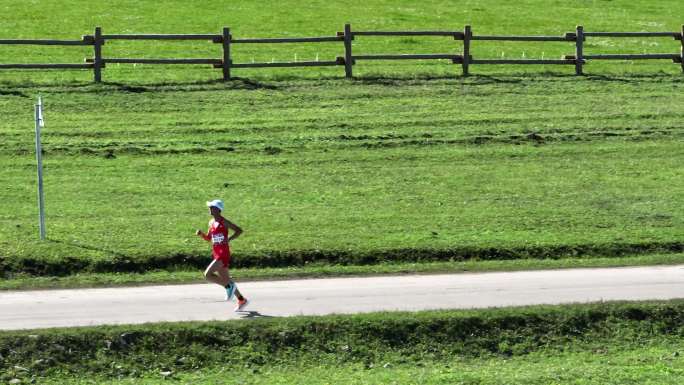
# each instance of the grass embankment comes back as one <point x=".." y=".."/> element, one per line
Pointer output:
<point x="25" y="281"/>
<point x="656" y="363"/>
<point x="644" y="337"/>
<point x="341" y="175"/>
<point x="368" y="181"/>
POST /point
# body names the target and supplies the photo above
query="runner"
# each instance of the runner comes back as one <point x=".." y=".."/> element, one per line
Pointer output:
<point x="217" y="271"/>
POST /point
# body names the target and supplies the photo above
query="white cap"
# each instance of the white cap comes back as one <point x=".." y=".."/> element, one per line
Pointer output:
<point x="216" y="203"/>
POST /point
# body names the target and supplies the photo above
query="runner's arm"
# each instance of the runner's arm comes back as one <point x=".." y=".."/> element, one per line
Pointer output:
<point x="204" y="236"/>
<point x="236" y="230"/>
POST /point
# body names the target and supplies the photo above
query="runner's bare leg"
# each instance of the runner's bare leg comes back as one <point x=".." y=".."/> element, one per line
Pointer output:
<point x="229" y="279"/>
<point x="210" y="273"/>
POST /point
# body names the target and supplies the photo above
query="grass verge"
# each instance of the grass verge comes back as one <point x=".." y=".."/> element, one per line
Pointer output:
<point x="30" y="282"/>
<point x="369" y="340"/>
<point x="656" y="362"/>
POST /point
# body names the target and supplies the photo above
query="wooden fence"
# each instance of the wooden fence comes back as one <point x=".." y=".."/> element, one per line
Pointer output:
<point x="465" y="59"/>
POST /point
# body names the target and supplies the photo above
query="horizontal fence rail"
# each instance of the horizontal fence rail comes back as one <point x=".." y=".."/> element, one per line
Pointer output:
<point x="648" y="56"/>
<point x="289" y="40"/>
<point x="161" y="37"/>
<point x="288" y="64"/>
<point x="457" y="35"/>
<point x="567" y="37"/>
<point x="407" y="57"/>
<point x="45" y="42"/>
<point x="676" y="35"/>
<point x="158" y="61"/>
<point x="523" y="61"/>
<point x="464" y="57"/>
<point x="45" y="66"/>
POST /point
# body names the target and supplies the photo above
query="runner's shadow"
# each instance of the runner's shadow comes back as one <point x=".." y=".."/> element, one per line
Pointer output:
<point x="249" y="314"/>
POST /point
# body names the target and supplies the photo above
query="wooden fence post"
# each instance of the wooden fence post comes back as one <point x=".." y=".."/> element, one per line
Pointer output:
<point x="226" y="53"/>
<point x="348" y="61"/>
<point x="467" y="34"/>
<point x="579" y="48"/>
<point x="97" y="61"/>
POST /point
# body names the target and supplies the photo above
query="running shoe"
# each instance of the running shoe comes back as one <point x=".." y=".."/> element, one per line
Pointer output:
<point x="230" y="291"/>
<point x="241" y="304"/>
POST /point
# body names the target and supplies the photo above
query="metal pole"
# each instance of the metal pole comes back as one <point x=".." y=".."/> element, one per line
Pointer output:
<point x="682" y="41"/>
<point x="39" y="158"/>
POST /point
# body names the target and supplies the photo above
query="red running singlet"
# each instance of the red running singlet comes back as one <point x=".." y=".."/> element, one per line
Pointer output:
<point x="218" y="235"/>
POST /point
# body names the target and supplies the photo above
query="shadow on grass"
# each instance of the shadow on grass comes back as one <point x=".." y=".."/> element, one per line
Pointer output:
<point x="281" y="82"/>
<point x="636" y="78"/>
<point x="135" y="88"/>
<point x="207" y="85"/>
<point x="13" y="93"/>
<point x="47" y="86"/>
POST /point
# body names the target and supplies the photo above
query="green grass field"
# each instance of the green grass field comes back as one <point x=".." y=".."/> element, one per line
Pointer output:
<point x="320" y="18"/>
<point x="408" y="163"/>
<point x="409" y="168"/>
<point x="397" y="171"/>
<point x="659" y="363"/>
<point x="603" y="343"/>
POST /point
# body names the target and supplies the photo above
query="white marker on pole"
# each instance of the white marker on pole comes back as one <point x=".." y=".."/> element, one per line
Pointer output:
<point x="39" y="158"/>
